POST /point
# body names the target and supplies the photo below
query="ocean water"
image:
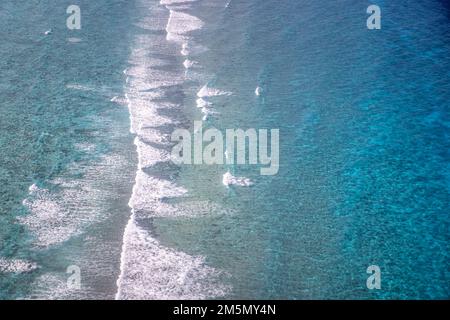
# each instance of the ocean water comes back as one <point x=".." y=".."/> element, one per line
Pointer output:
<point x="87" y="178"/>
<point x="67" y="159"/>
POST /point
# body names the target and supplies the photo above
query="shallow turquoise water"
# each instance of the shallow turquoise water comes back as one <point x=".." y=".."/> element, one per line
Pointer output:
<point x="58" y="126"/>
<point x="364" y="143"/>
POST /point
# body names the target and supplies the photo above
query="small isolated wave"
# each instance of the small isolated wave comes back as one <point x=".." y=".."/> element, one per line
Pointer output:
<point x="152" y="271"/>
<point x="180" y="24"/>
<point x="258" y="91"/>
<point x="16" y="266"/>
<point x="207" y="113"/>
<point x="188" y="64"/>
<point x="191" y="48"/>
<point x="206" y="92"/>
<point x="119" y="100"/>
<point x="229" y="179"/>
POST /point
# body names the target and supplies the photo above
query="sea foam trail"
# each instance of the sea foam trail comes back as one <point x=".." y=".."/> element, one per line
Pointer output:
<point x="157" y="272"/>
<point x="180" y="24"/>
<point x="229" y="179"/>
<point x="206" y="106"/>
<point x="150" y="270"/>
<point x="16" y="266"/>
<point x="66" y="206"/>
<point x="63" y="211"/>
<point x="207" y="91"/>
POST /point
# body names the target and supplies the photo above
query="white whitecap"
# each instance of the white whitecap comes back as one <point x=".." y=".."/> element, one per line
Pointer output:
<point x="202" y="103"/>
<point x="229" y="179"/>
<point x="152" y="271"/>
<point x="191" y="48"/>
<point x="188" y="63"/>
<point x="16" y="266"/>
<point x="207" y="113"/>
<point x="181" y="23"/>
<point x="206" y="91"/>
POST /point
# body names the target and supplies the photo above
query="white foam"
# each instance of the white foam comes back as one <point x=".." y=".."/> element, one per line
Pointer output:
<point x="143" y="87"/>
<point x="208" y="112"/>
<point x="148" y="269"/>
<point x="85" y="147"/>
<point x="188" y="63"/>
<point x="192" y="48"/>
<point x="59" y="214"/>
<point x="180" y="24"/>
<point x="152" y="271"/>
<point x="76" y="86"/>
<point x="103" y="90"/>
<point x="149" y="190"/>
<point x="48" y="220"/>
<point x="206" y="91"/>
<point x="16" y="266"/>
<point x="148" y="155"/>
<point x="143" y="113"/>
<point x="229" y="179"/>
<point x="184" y="49"/>
<point x="33" y="188"/>
<point x="258" y="91"/>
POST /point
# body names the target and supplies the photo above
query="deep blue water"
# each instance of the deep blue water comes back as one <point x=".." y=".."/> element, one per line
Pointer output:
<point x="364" y="150"/>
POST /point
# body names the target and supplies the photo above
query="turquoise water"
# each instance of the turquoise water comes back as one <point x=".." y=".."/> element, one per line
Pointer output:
<point x="61" y="134"/>
<point x="364" y="137"/>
